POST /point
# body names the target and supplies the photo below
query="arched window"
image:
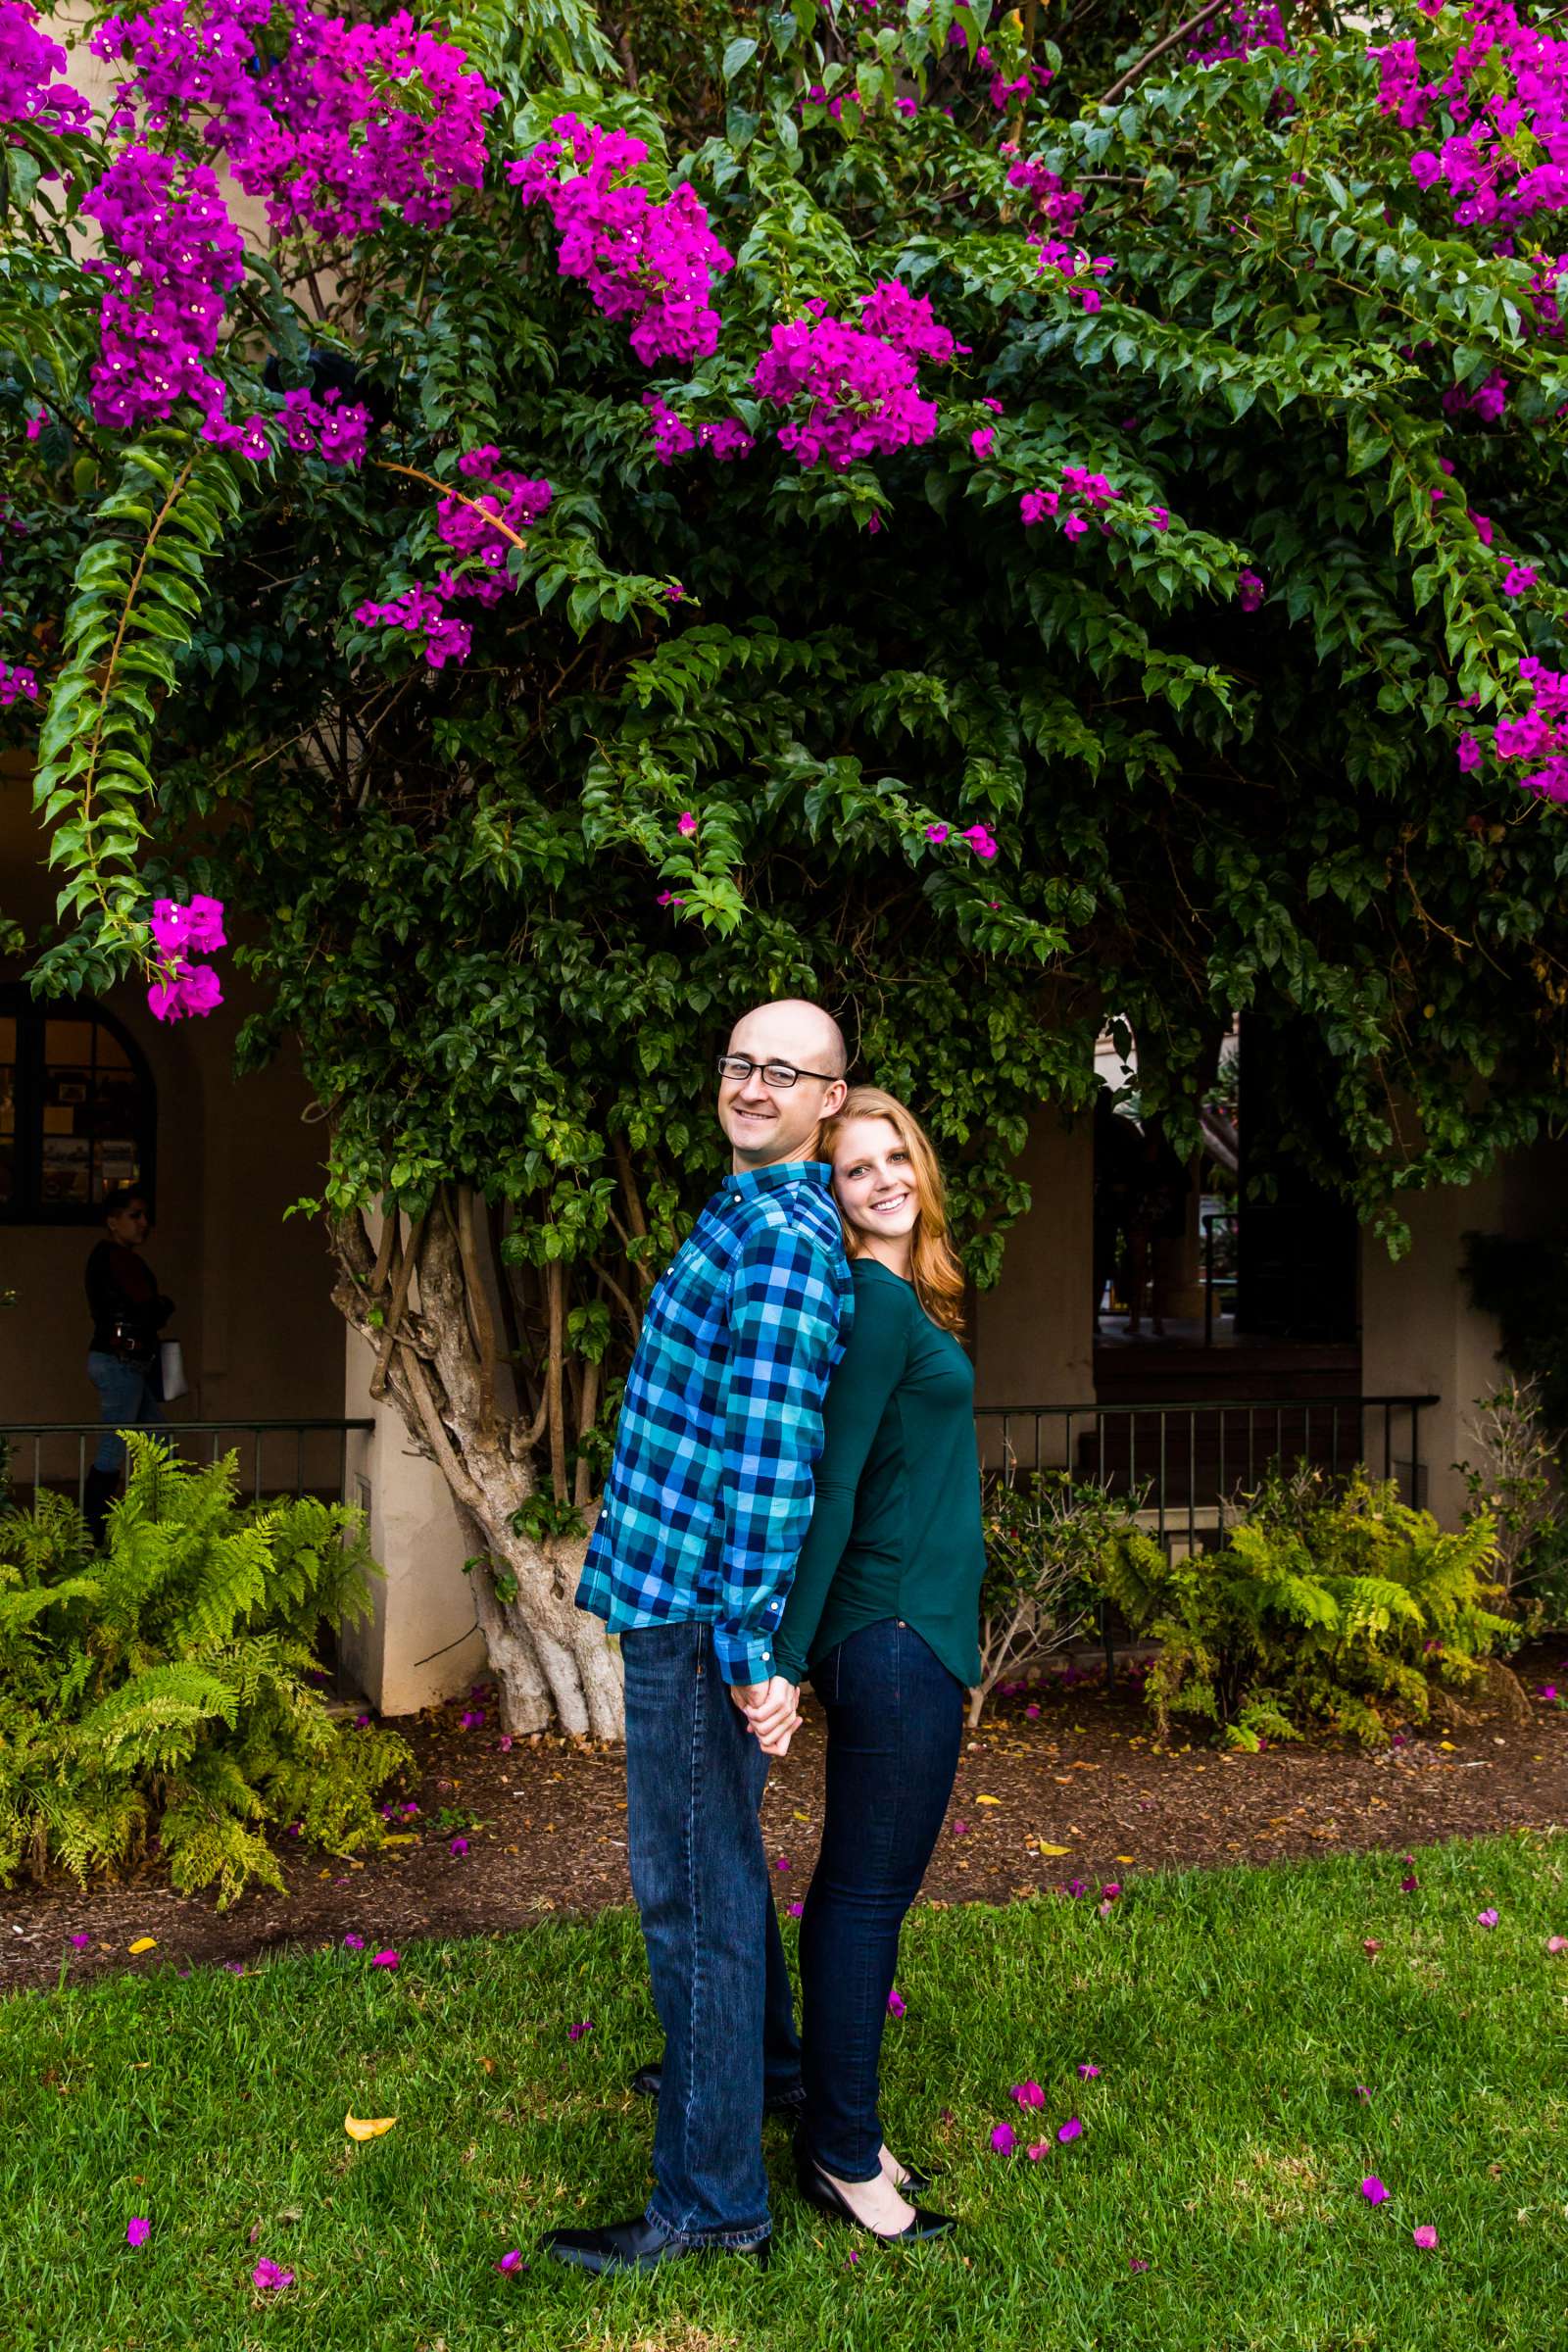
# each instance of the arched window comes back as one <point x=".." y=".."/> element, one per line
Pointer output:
<point x="77" y="1110"/>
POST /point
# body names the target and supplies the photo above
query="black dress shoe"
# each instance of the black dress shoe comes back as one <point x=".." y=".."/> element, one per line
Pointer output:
<point x="636" y="2245"/>
<point x="647" y="2080"/>
<point x="819" y="2190"/>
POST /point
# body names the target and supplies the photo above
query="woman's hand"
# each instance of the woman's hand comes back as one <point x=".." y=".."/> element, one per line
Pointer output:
<point x="772" y="1710"/>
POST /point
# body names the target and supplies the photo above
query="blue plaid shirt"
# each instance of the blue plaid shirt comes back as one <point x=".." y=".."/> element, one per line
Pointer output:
<point x="709" y="1493"/>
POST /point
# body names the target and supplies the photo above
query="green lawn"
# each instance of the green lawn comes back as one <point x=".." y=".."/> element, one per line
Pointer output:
<point x="1233" y="2014"/>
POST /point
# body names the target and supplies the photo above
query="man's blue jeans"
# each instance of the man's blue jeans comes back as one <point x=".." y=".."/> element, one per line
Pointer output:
<point x="127" y="1396"/>
<point x="695" y="1778"/>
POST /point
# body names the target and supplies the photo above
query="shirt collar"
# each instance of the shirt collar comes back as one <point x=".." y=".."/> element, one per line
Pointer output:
<point x="746" y="1187"/>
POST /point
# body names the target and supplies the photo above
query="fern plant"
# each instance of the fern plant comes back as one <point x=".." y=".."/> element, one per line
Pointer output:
<point x="1343" y="1609"/>
<point x="161" y="1688"/>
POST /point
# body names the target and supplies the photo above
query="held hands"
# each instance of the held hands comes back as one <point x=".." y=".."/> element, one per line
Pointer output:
<point x="773" y="1711"/>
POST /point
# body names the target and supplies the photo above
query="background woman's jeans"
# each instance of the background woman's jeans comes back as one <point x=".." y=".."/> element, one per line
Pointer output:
<point x="127" y="1396"/>
<point x="895" y="1722"/>
<point x="695" y="1778"/>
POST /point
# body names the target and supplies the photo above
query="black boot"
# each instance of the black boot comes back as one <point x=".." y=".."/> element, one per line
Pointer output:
<point x="97" y="1495"/>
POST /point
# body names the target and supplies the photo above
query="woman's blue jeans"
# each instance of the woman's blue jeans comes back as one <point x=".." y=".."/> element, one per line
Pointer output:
<point x="894" y="1724"/>
<point x="127" y="1396"/>
<point x="695" y="1778"/>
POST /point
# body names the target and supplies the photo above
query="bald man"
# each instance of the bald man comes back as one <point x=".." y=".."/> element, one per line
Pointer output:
<point x="705" y="1511"/>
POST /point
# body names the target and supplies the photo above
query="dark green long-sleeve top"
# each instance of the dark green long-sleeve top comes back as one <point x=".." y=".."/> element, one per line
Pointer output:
<point x="895" y="1523"/>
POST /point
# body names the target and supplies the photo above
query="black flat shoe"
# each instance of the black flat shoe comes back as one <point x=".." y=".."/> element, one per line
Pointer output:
<point x="636" y="2245"/>
<point x="646" y="2083"/>
<point x="819" y="2190"/>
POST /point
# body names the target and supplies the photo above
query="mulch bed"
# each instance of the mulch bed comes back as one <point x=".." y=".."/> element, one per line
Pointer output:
<point x="1072" y="1796"/>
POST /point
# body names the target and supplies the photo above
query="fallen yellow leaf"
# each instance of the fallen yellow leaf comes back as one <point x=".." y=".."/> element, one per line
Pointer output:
<point x="1056" y="1850"/>
<point x="1443" y="1744"/>
<point x="146" y="1943"/>
<point x="988" y="1800"/>
<point x="368" y="2127"/>
<point x="403" y="1837"/>
<point x="805" y="1817"/>
<point x="1124" y="1857"/>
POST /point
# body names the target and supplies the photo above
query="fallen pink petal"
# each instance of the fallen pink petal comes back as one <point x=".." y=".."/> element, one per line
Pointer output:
<point x="896" y="2005"/>
<point x="138" y="2230"/>
<point x="1487" y="1918"/>
<point x="576" y="2032"/>
<point x="268" y="2277"/>
<point x="81" y="1942"/>
<point x="1037" y="2150"/>
<point x="1137" y="2264"/>
<point x="512" y="2262"/>
<point x="1373" y="2190"/>
<point x="1425" y="2236"/>
<point x="1003" y="2138"/>
<point x="459" y="1845"/>
<point x="386" y="1959"/>
<point x="1028" y="2094"/>
<point x="1556" y="1944"/>
<point x="353" y="1943"/>
<point x="796" y="1910"/>
<point x="1088" y="2074"/>
<point x="1072" y="2129"/>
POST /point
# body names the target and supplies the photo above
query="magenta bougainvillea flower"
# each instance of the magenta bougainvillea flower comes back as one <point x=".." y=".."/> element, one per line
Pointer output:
<point x="1556" y="1944"/>
<point x="1249" y="591"/>
<point x="269" y="2278"/>
<point x="1424" y="2236"/>
<point x="353" y="1943"/>
<point x="1088" y="2074"/>
<point x="459" y="1845"/>
<point x="1487" y="1918"/>
<point x="138" y="2230"/>
<point x="1028" y="2094"/>
<point x="576" y="2032"/>
<point x="1409" y="1883"/>
<point x="386" y="1959"/>
<point x="1374" y="2192"/>
<point x="896" y="2005"/>
<point x="1072" y="2129"/>
<point x="1003" y="2138"/>
<point x="81" y="1943"/>
<point x="512" y="2262"/>
<point x="796" y="1909"/>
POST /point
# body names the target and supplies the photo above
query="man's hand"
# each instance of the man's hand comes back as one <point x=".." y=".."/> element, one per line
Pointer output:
<point x="771" y="1708"/>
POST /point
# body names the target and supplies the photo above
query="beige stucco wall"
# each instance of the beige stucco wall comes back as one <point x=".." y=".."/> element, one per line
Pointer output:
<point x="1034" y="1333"/>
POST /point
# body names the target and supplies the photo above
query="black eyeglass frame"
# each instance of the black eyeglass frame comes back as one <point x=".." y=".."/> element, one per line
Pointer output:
<point x="780" y="1084"/>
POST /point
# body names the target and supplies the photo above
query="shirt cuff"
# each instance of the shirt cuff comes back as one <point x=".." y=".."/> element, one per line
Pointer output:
<point x="744" y="1657"/>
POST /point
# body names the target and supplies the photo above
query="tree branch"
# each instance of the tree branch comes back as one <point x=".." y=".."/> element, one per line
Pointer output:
<point x="1141" y="66"/>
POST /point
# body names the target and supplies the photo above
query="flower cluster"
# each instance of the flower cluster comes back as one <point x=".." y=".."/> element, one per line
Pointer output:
<point x="481" y="526"/>
<point x="980" y="838"/>
<point x="1075" y="265"/>
<point x="478" y="526"/>
<point x="29" y="61"/>
<point x="1505" y="97"/>
<point x="1542" y="734"/>
<point x="346" y="122"/>
<point x="857" y="385"/>
<point x="1489" y="401"/>
<point x="674" y="438"/>
<point x="1079" y="495"/>
<point x="648" y="262"/>
<point x="330" y="427"/>
<point x="1238" y="34"/>
<point x="174" y="255"/>
<point x="185" y="989"/>
<point x="422" y="614"/>
<point x="17" y="684"/>
<point x="1051" y="198"/>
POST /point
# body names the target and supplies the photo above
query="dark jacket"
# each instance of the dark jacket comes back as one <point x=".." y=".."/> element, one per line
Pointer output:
<point x="128" y="1311"/>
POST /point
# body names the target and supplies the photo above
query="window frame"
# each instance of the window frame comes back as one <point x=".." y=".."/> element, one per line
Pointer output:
<point x="27" y="1206"/>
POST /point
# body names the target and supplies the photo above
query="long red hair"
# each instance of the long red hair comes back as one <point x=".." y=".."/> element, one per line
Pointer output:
<point x="935" y="1265"/>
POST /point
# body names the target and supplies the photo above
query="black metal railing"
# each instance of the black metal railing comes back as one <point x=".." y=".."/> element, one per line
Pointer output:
<point x="320" y="1453"/>
<point x="1183" y="1465"/>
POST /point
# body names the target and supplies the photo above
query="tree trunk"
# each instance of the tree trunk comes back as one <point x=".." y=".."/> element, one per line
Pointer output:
<point x="422" y="1306"/>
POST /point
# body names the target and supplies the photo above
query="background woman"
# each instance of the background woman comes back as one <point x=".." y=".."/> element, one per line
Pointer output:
<point x="884" y="1614"/>
<point x="128" y="1312"/>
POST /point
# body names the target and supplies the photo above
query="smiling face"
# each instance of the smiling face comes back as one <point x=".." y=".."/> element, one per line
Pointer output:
<point x="874" y="1185"/>
<point x="768" y="1125"/>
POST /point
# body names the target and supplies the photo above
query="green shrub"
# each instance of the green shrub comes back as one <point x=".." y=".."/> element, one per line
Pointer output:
<point x="158" y="1687"/>
<point x="1045" y="1538"/>
<point x="1343" y="1608"/>
<point x="1517" y="1480"/>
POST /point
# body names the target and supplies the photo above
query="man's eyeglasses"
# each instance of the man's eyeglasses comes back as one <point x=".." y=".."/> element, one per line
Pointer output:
<point x="776" y="1074"/>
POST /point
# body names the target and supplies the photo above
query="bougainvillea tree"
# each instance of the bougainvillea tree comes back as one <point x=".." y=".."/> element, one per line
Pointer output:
<point x="549" y="522"/>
